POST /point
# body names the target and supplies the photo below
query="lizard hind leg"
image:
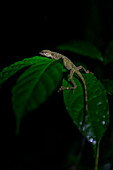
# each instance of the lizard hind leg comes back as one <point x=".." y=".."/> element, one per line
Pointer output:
<point x="72" y="81"/>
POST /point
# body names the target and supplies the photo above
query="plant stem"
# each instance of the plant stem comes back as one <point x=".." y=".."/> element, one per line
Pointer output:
<point x="97" y="156"/>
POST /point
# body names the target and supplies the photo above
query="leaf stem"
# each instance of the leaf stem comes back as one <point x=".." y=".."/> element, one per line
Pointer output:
<point x="97" y="156"/>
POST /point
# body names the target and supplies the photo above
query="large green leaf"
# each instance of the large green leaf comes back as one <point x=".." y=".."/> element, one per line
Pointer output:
<point x="9" y="71"/>
<point x="109" y="54"/>
<point x="98" y="109"/>
<point x="34" y="86"/>
<point x="82" y="47"/>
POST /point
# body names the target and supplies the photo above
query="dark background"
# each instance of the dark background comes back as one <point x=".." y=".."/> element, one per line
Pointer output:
<point x="27" y="27"/>
<point x="48" y="133"/>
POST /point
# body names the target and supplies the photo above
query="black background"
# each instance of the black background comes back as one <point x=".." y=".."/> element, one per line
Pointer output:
<point x="26" y="28"/>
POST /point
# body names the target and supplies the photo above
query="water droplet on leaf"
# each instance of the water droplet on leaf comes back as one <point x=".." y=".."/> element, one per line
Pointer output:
<point x="80" y="123"/>
<point x="92" y="141"/>
<point x="103" y="122"/>
<point x="99" y="103"/>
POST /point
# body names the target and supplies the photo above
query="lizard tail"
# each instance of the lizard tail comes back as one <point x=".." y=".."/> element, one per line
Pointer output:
<point x="85" y="91"/>
<point x="86" y="109"/>
<point x="85" y="105"/>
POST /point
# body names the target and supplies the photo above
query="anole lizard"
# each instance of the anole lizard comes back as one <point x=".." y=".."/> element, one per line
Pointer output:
<point x="73" y="69"/>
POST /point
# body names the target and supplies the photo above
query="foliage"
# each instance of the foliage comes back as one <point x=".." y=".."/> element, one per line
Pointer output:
<point x="7" y="72"/>
<point x="34" y="86"/>
<point x="82" y="47"/>
<point x="98" y="109"/>
<point x="108" y="84"/>
<point x="43" y="77"/>
<point x="108" y="58"/>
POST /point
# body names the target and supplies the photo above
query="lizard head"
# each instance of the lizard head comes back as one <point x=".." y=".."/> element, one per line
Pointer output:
<point x="46" y="53"/>
<point x="50" y="54"/>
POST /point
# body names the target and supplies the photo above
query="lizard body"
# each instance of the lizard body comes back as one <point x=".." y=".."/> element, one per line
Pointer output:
<point x="73" y="69"/>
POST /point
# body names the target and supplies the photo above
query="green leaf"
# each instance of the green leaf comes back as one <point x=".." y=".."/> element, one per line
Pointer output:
<point x="83" y="48"/>
<point x="12" y="69"/>
<point x="108" y="84"/>
<point x="109" y="54"/>
<point x="98" y="109"/>
<point x="34" y="86"/>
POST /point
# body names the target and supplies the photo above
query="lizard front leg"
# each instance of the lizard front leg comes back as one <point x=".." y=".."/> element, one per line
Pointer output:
<point x="81" y="67"/>
<point x="72" y="81"/>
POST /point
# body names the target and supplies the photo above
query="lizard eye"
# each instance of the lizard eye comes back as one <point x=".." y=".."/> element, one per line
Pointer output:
<point x="43" y="53"/>
<point x="47" y="54"/>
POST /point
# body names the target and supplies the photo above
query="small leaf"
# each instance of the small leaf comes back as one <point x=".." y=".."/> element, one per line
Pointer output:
<point x="83" y="48"/>
<point x="98" y="109"/>
<point x="109" y="54"/>
<point x="108" y="84"/>
<point x="34" y="86"/>
<point x="12" y="69"/>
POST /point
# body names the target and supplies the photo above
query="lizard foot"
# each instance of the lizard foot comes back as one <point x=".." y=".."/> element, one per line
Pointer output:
<point x="66" y="88"/>
<point x="87" y="71"/>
